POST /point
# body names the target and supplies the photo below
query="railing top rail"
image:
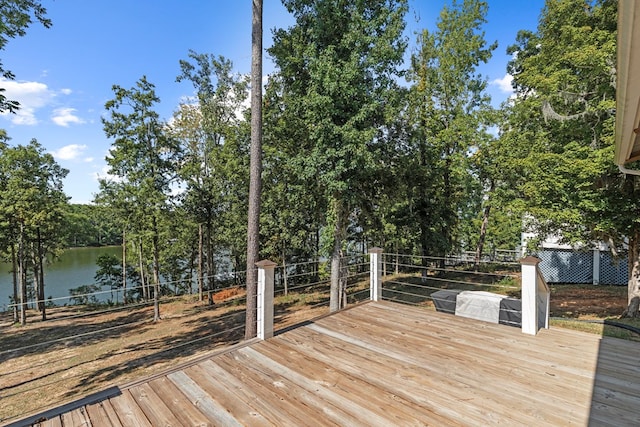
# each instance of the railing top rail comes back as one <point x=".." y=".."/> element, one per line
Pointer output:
<point x="541" y="280"/>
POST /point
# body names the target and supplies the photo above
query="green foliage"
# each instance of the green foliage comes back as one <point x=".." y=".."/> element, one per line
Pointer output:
<point x="144" y="157"/>
<point x="558" y="143"/>
<point x="448" y="114"/>
<point x="15" y="18"/>
<point x="214" y="140"/>
<point x="109" y="272"/>
<point x="330" y="101"/>
<point x="90" y="225"/>
<point x="31" y="197"/>
<point x="84" y="295"/>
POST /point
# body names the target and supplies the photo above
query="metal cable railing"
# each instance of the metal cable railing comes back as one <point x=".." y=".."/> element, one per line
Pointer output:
<point x="419" y="280"/>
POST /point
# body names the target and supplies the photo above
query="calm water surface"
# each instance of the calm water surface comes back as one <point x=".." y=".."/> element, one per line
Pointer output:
<point x="75" y="267"/>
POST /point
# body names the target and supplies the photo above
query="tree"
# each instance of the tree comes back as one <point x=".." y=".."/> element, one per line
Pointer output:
<point x="448" y="109"/>
<point x="109" y="272"/>
<point x="255" y="171"/>
<point x="90" y="225"/>
<point x="211" y="135"/>
<point x="16" y="16"/>
<point x="561" y="128"/>
<point x="31" y="211"/>
<point x="143" y="156"/>
<point x="337" y="79"/>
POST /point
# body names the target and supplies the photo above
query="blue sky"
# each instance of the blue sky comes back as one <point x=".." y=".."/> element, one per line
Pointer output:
<point x="64" y="74"/>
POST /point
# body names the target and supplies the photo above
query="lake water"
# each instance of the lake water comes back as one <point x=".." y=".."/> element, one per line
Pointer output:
<point x="75" y="267"/>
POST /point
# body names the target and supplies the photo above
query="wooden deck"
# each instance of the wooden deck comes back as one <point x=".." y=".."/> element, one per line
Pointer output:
<point x="382" y="364"/>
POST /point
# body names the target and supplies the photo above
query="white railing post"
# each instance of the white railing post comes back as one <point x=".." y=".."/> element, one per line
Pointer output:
<point x="375" y="274"/>
<point x="596" y="266"/>
<point x="265" y="298"/>
<point x="535" y="297"/>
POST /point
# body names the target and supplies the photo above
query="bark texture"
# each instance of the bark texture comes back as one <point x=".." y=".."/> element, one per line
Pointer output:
<point x="255" y="182"/>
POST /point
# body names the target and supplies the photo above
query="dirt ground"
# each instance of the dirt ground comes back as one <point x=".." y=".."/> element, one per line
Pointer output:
<point x="587" y="301"/>
<point x="74" y="354"/>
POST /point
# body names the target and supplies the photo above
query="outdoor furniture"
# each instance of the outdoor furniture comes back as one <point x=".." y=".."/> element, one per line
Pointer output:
<point x="479" y="305"/>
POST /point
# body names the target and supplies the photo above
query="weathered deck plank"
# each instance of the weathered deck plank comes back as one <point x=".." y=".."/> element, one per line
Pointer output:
<point x="212" y="384"/>
<point x="493" y="377"/>
<point x="347" y="384"/>
<point x="390" y="364"/>
<point x="179" y="404"/>
<point x="103" y="414"/>
<point x="288" y="402"/>
<point x="208" y="405"/>
<point x="128" y="410"/>
<point x="153" y="407"/>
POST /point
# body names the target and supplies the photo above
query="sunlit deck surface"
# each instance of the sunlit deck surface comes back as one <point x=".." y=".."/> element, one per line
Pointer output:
<point x="384" y="364"/>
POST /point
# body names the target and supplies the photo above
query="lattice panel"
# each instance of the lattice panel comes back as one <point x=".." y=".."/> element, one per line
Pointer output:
<point x="566" y="266"/>
<point x="613" y="271"/>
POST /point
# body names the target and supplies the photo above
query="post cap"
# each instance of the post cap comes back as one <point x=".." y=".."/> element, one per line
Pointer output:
<point x="265" y="263"/>
<point x="530" y="260"/>
<point x="376" y="250"/>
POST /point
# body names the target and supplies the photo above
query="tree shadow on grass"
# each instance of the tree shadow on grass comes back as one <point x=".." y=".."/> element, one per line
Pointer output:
<point x="204" y="334"/>
<point x="44" y="338"/>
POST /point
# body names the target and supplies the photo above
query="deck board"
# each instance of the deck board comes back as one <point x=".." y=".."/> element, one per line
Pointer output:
<point x="379" y="364"/>
<point x="179" y="404"/>
<point x="102" y="414"/>
<point x="129" y="413"/>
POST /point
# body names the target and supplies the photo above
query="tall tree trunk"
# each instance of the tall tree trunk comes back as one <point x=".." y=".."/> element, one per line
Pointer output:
<point x="211" y="266"/>
<point x="423" y="218"/>
<point x="36" y="278"/>
<point x="284" y="272"/>
<point x="22" y="264"/>
<point x="124" y="266"/>
<point x="483" y="227"/>
<point x="156" y="271"/>
<point x="36" y="282"/>
<point x="449" y="210"/>
<point x="40" y="274"/>
<point x="336" y="300"/>
<point x="145" y="293"/>
<point x="14" y="276"/>
<point x="633" y="308"/>
<point x="200" y="262"/>
<point x="255" y="182"/>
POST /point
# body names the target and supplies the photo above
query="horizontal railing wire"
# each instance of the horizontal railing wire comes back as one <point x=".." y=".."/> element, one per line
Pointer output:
<point x="165" y="284"/>
<point x="458" y="282"/>
<point x="87" y="334"/>
<point x="450" y="270"/>
<point x="415" y="279"/>
<point x="422" y="298"/>
<point x="388" y="257"/>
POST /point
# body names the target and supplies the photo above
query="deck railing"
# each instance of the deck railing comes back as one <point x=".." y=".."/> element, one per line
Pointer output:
<point x="446" y="281"/>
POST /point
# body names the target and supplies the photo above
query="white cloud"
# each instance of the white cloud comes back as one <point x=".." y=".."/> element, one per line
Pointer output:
<point x="30" y="95"/>
<point x="69" y="152"/>
<point x="504" y="84"/>
<point x="34" y="96"/>
<point x="65" y="116"/>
